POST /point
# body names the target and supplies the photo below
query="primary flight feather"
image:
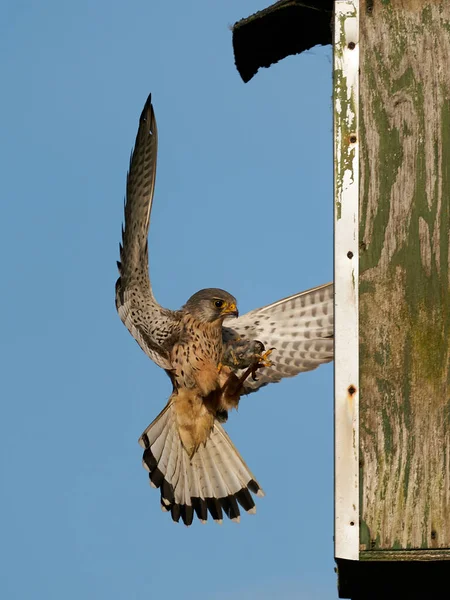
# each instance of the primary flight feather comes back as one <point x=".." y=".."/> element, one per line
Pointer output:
<point x="188" y="454"/>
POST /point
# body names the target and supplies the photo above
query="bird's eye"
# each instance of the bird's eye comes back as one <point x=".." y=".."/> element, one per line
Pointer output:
<point x="218" y="303"/>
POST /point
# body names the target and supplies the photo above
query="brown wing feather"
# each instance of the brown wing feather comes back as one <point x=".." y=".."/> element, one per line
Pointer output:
<point x="154" y="327"/>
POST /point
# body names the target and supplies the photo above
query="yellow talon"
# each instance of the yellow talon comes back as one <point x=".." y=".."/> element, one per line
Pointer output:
<point x="219" y="367"/>
<point x="264" y="358"/>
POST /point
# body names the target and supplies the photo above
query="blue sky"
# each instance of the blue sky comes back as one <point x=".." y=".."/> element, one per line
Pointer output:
<point x="243" y="202"/>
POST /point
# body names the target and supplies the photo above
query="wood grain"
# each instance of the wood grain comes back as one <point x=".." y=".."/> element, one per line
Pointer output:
<point x="404" y="274"/>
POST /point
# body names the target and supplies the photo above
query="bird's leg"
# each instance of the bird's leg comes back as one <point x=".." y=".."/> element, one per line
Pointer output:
<point x="232" y="388"/>
<point x="233" y="384"/>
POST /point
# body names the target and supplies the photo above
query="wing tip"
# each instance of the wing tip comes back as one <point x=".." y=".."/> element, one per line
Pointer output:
<point x="147" y="110"/>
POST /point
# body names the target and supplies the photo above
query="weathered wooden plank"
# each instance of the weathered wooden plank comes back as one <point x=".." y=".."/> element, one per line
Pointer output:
<point x="346" y="187"/>
<point x="404" y="274"/>
<point x="400" y="556"/>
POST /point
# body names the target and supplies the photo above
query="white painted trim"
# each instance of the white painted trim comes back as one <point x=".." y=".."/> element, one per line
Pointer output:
<point x="346" y="365"/>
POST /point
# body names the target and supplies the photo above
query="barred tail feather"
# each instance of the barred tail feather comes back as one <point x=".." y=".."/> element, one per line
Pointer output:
<point x="214" y="480"/>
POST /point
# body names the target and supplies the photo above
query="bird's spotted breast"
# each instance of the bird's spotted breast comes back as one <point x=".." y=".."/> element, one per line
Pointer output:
<point x="196" y="357"/>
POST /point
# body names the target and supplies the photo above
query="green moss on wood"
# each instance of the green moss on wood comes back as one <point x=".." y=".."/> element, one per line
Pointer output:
<point x="404" y="285"/>
<point x="389" y="159"/>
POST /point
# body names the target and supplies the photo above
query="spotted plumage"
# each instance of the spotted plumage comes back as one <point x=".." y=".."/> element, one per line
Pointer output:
<point x="208" y="353"/>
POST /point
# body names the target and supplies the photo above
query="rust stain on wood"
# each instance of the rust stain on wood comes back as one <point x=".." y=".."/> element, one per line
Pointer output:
<point x="405" y="275"/>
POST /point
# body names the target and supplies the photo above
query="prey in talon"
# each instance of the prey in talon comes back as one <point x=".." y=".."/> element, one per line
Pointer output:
<point x="241" y="354"/>
<point x="245" y="354"/>
<point x="240" y="359"/>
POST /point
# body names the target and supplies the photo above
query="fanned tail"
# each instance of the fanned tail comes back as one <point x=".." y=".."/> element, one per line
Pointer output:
<point x="214" y="480"/>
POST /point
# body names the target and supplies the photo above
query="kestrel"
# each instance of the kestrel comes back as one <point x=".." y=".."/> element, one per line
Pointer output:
<point x="212" y="357"/>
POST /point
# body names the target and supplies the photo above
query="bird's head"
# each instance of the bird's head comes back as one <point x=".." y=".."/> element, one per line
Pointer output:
<point x="211" y="304"/>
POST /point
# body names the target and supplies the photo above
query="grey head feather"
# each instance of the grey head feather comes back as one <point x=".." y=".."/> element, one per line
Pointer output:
<point x="210" y="304"/>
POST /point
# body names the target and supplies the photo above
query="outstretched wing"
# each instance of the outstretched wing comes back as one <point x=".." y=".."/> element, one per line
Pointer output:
<point x="152" y="326"/>
<point x="300" y="328"/>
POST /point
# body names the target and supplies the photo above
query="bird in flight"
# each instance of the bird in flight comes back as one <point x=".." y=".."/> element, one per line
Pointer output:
<point x="212" y="356"/>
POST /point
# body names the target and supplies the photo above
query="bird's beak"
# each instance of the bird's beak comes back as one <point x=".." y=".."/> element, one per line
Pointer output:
<point x="231" y="311"/>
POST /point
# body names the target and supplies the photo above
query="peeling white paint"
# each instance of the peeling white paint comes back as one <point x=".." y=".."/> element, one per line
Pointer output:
<point x="346" y="366"/>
